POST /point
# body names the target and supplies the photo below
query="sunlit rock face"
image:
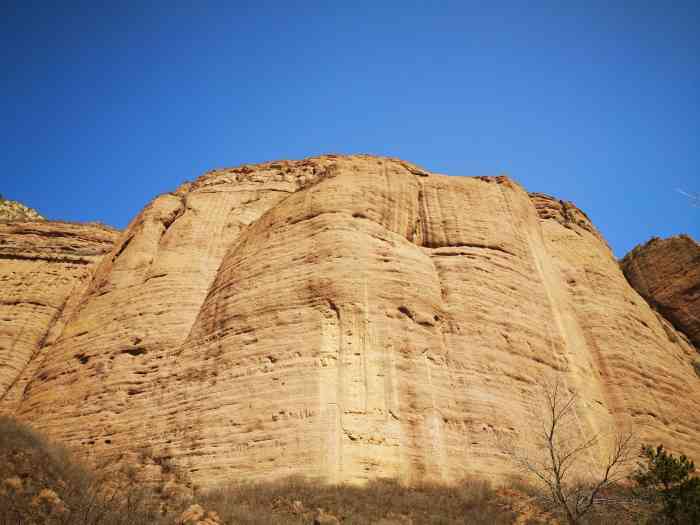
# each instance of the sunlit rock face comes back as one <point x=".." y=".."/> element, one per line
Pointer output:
<point x="44" y="267"/>
<point x="666" y="272"/>
<point x="354" y="317"/>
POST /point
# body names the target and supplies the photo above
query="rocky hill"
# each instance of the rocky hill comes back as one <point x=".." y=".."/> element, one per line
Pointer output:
<point x="342" y="317"/>
<point x="16" y="211"/>
<point x="666" y="272"/>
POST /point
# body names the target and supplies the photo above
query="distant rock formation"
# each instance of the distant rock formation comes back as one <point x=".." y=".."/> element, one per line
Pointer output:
<point x="16" y="211"/>
<point x="342" y="317"/>
<point x="666" y="272"/>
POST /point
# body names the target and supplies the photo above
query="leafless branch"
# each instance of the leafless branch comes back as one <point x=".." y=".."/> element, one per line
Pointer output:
<point x="557" y="457"/>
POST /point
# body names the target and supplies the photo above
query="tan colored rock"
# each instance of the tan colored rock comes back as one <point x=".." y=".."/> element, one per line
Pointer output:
<point x="16" y="211"/>
<point x="324" y="518"/>
<point x="196" y="515"/>
<point x="43" y="265"/>
<point x="642" y="365"/>
<point x="666" y="272"/>
<point x="356" y="317"/>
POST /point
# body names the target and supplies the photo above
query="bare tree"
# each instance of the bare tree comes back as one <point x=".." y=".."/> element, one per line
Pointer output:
<point x="565" y="463"/>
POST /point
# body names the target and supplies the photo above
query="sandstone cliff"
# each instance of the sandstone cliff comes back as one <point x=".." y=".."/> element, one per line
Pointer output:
<point x="43" y="266"/>
<point x="666" y="272"/>
<point x="349" y="318"/>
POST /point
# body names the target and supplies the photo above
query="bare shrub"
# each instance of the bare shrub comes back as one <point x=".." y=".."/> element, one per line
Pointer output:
<point x="564" y="463"/>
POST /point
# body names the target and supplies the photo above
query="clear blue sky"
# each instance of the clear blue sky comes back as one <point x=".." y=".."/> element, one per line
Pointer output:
<point x="105" y="107"/>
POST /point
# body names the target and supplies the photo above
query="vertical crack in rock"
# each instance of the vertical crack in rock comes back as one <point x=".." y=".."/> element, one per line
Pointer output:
<point x="330" y="387"/>
<point x="122" y="248"/>
<point x="567" y="327"/>
<point x="169" y="220"/>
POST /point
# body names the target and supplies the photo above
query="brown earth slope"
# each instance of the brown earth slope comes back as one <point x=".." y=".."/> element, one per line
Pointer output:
<point x="351" y="318"/>
<point x="666" y="272"/>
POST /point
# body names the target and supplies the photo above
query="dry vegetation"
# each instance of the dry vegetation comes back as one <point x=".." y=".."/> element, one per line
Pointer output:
<point x="41" y="483"/>
<point x="562" y="462"/>
<point x="297" y="501"/>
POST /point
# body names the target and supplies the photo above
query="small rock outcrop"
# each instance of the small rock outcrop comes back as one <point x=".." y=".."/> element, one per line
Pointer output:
<point x="16" y="211"/>
<point x="666" y="272"/>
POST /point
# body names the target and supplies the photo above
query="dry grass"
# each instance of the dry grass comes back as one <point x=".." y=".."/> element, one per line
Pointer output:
<point x="297" y="500"/>
<point x="41" y="483"/>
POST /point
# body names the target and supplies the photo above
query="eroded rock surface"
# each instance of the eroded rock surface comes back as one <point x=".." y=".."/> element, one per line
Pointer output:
<point x="350" y="318"/>
<point x="43" y="267"/>
<point x="666" y="272"/>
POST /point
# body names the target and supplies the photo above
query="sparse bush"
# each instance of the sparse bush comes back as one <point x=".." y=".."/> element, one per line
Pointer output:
<point x="559" y="459"/>
<point x="42" y="483"/>
<point x="668" y="483"/>
<point x="696" y="367"/>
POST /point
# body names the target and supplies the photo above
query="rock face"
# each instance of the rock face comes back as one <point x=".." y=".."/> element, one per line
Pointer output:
<point x="16" y="211"/>
<point x="666" y="272"/>
<point x="354" y="317"/>
<point x="43" y="267"/>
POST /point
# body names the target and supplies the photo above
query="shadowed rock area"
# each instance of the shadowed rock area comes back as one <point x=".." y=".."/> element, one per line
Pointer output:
<point x="346" y="318"/>
<point x="666" y="272"/>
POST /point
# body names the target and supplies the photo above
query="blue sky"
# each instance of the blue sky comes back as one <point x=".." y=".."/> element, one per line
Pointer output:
<point x="105" y="107"/>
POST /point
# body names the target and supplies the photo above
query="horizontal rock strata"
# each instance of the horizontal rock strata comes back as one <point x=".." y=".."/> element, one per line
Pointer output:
<point x="43" y="267"/>
<point x="355" y="317"/>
